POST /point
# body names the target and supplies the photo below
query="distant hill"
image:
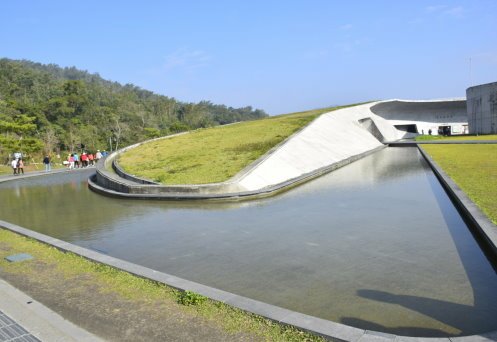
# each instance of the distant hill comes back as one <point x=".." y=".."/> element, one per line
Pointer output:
<point x="46" y="107"/>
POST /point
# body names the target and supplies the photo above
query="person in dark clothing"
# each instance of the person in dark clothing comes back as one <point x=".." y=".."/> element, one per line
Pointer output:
<point x="20" y="166"/>
<point x="46" y="162"/>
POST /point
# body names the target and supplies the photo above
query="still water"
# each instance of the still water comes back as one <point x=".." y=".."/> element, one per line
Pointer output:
<point x="376" y="244"/>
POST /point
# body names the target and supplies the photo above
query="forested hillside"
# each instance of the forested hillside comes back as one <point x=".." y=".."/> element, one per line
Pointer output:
<point x="46" y="108"/>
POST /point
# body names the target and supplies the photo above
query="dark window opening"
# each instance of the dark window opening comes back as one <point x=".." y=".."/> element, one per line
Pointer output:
<point x="407" y="128"/>
<point x="444" y="130"/>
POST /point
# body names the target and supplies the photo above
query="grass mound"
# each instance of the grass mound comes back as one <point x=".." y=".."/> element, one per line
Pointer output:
<point x="215" y="154"/>
<point x="474" y="169"/>
<point x="455" y="137"/>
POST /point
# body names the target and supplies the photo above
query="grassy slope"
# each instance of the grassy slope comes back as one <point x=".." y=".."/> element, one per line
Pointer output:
<point x="215" y="154"/>
<point x="57" y="268"/>
<point x="455" y="137"/>
<point x="474" y="169"/>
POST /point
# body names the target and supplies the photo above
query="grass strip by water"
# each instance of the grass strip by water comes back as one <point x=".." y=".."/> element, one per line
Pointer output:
<point x="456" y="138"/>
<point x="214" y="154"/>
<point x="474" y="169"/>
<point x="112" y="298"/>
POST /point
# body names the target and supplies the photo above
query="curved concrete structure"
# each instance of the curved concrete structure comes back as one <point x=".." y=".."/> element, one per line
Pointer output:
<point x="418" y="117"/>
<point x="330" y="141"/>
<point x="482" y="108"/>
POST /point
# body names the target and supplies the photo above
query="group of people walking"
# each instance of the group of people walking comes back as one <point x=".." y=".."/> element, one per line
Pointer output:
<point x="74" y="160"/>
<point x="18" y="166"/>
<point x="84" y="160"/>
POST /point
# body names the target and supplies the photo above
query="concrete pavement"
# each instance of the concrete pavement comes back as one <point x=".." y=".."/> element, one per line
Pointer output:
<point x="25" y="320"/>
<point x="9" y="177"/>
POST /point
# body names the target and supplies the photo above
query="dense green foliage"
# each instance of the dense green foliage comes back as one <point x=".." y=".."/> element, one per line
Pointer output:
<point x="52" y="108"/>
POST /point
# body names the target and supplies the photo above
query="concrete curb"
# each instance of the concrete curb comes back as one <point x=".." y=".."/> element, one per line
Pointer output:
<point x="39" y="320"/>
<point x="328" y="329"/>
<point x="334" y="331"/>
<point x="39" y="173"/>
<point x="188" y="188"/>
<point x="114" y="188"/>
<point x="437" y="142"/>
<point x="483" y="226"/>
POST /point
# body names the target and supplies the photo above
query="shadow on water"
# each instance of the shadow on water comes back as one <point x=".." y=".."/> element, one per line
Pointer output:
<point x="407" y="331"/>
<point x="466" y="318"/>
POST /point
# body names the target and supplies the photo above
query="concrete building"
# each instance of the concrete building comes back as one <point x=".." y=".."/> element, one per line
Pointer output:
<point x="440" y="117"/>
<point x="482" y="108"/>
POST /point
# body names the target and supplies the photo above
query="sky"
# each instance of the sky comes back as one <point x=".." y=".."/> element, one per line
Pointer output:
<point x="279" y="56"/>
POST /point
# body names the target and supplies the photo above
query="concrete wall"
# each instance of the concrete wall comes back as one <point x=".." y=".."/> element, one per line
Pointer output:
<point x="340" y="134"/>
<point x="330" y="138"/>
<point x="482" y="108"/>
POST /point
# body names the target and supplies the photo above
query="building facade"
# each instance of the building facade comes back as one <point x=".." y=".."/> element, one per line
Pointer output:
<point x="482" y="108"/>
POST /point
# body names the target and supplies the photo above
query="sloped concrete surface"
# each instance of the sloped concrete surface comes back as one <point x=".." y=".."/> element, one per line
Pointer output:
<point x="329" y="139"/>
<point x="333" y="139"/>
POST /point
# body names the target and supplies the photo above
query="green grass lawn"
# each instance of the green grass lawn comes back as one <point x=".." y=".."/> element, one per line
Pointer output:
<point x="455" y="137"/>
<point x="474" y="169"/>
<point x="214" y="154"/>
<point x="104" y="289"/>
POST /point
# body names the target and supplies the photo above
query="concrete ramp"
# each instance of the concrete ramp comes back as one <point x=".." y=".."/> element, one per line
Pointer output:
<point x="332" y="137"/>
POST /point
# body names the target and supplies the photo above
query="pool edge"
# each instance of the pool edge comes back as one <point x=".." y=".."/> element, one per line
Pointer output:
<point x="328" y="329"/>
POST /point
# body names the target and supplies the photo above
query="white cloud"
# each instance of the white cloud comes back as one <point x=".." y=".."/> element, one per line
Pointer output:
<point x="346" y="27"/>
<point x="186" y="59"/>
<point x="456" y="11"/>
<point x="435" y="8"/>
<point x="315" y="54"/>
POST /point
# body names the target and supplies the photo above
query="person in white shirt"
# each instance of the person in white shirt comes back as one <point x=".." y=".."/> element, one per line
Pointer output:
<point x="14" y="166"/>
<point x="98" y="155"/>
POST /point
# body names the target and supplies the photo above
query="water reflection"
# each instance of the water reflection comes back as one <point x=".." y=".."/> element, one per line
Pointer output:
<point x="374" y="244"/>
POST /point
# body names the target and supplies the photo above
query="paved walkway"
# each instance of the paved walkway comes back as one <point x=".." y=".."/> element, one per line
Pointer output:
<point x="22" y="319"/>
<point x="4" y="178"/>
<point x="10" y="330"/>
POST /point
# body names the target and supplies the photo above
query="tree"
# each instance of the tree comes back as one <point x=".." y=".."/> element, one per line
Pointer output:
<point x="15" y="135"/>
<point x="118" y="130"/>
<point x="75" y="106"/>
<point x="151" y="133"/>
<point x="50" y="140"/>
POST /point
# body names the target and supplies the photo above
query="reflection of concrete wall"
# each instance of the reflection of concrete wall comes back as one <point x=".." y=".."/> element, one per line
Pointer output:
<point x="482" y="108"/>
<point x="425" y="115"/>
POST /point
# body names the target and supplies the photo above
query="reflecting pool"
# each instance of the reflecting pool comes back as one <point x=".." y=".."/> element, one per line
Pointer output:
<point x="376" y="244"/>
